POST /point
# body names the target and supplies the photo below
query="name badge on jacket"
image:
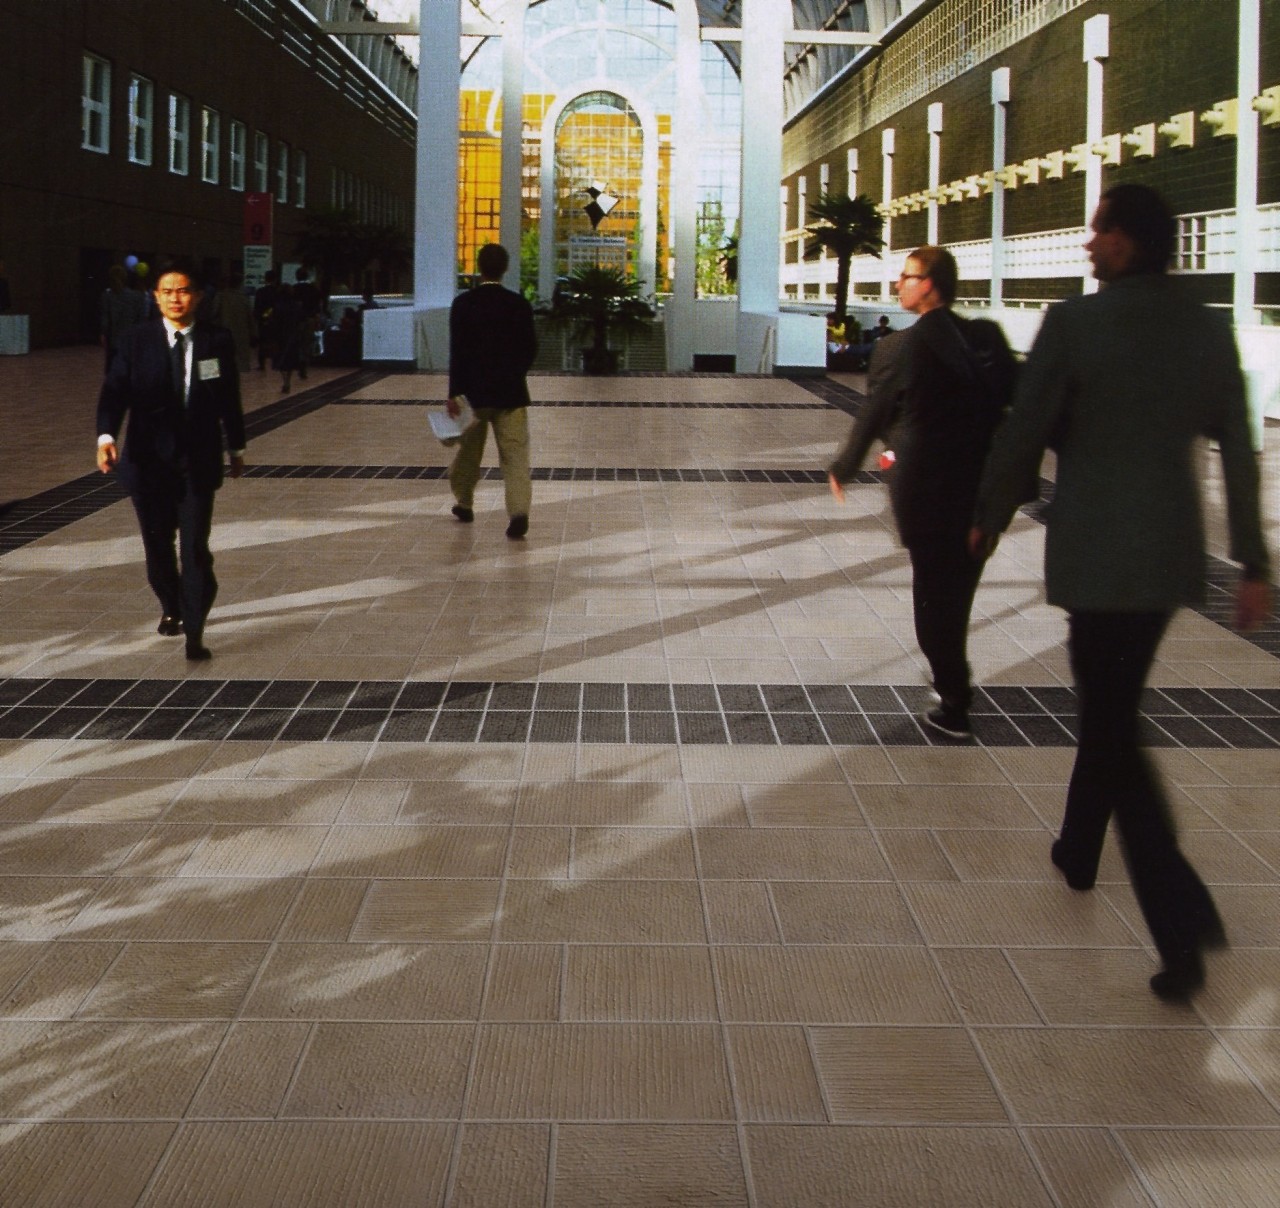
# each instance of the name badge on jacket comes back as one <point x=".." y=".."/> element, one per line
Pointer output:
<point x="209" y="370"/>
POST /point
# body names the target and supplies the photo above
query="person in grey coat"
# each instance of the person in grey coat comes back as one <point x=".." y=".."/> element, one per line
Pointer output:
<point x="1123" y="384"/>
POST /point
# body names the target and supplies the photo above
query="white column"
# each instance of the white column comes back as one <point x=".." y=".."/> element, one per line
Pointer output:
<point x="683" y="212"/>
<point x="435" y="248"/>
<point x="999" y="115"/>
<point x="934" y="119"/>
<point x="1247" y="85"/>
<point x="1097" y="48"/>
<point x="765" y="24"/>
<point x="510" y="205"/>
<point x="888" y="270"/>
<point x="851" y="172"/>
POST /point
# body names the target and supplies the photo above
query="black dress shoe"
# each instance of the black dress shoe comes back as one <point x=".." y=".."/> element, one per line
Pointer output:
<point x="1179" y="979"/>
<point x="466" y="515"/>
<point x="518" y="527"/>
<point x="197" y="652"/>
<point x="170" y="626"/>
<point x="1076" y="879"/>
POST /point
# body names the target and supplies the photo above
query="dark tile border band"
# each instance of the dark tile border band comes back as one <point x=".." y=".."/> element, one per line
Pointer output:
<point x="871" y="715"/>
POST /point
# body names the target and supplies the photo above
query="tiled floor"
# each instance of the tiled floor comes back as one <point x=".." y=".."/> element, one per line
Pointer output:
<point x="607" y="868"/>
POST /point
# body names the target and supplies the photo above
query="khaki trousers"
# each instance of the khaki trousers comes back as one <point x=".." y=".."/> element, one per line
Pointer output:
<point x="511" y="433"/>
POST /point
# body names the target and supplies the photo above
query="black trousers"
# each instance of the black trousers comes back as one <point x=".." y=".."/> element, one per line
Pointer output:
<point x="944" y="578"/>
<point x="177" y="510"/>
<point x="1111" y="656"/>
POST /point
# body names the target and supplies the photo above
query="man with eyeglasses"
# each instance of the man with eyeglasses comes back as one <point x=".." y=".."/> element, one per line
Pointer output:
<point x="178" y="382"/>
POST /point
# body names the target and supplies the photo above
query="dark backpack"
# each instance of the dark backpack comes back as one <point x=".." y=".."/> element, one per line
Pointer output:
<point x="995" y="370"/>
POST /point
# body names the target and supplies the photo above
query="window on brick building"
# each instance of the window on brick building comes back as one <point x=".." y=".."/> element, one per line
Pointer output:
<point x="95" y="105"/>
<point x="142" y="102"/>
<point x="261" y="163"/>
<point x="210" y="145"/>
<point x="179" y="134"/>
<point x="237" y="152"/>
<point x="282" y="173"/>
<point x="300" y="179"/>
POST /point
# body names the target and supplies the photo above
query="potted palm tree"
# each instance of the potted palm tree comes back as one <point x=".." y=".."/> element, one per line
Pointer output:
<point x="847" y="227"/>
<point x="602" y="300"/>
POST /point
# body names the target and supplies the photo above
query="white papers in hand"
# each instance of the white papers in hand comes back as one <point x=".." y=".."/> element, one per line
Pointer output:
<point x="447" y="429"/>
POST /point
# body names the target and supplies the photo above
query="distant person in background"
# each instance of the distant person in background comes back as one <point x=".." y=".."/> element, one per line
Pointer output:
<point x="287" y="336"/>
<point x="120" y="309"/>
<point x="491" y="348"/>
<point x="233" y="310"/>
<point x="880" y="330"/>
<point x="311" y="306"/>
<point x="264" y="300"/>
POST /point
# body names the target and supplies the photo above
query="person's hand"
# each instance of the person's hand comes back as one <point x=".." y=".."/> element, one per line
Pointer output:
<point x="1253" y="604"/>
<point x="107" y="457"/>
<point x="837" y="488"/>
<point x="237" y="466"/>
<point x="982" y="544"/>
<point x="452" y="407"/>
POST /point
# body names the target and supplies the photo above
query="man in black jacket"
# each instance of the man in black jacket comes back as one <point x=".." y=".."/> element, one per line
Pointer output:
<point x="491" y="347"/>
<point x="178" y="382"/>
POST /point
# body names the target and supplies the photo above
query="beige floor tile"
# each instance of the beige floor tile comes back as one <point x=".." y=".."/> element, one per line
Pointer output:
<point x="175" y="981"/>
<point x="145" y="908"/>
<point x="525" y="983"/>
<point x="1187" y="1169"/>
<point x="903" y="1076"/>
<point x="632" y="854"/>
<point x="413" y="851"/>
<point x="915" y="855"/>
<point x="369" y="981"/>
<point x="949" y="766"/>
<point x="1257" y="1051"/>
<point x="985" y="987"/>
<point x="815" y="912"/>
<point x="413" y="911"/>
<point x="989" y="914"/>
<point x="260" y="802"/>
<point x="1087" y="1166"/>
<point x="1129" y="1076"/>
<point x="830" y="985"/>
<point x="306" y="1164"/>
<point x="252" y="1071"/>
<point x="116" y="1070"/>
<point x="113" y="1160"/>
<point x="441" y="803"/>
<point x="1243" y="807"/>
<point x="984" y="807"/>
<point x="620" y="984"/>
<point x="540" y="853"/>
<point x="961" y="1167"/>
<point x="502" y="1166"/>
<point x="55" y="979"/>
<point x="325" y="910"/>
<point x="1082" y="987"/>
<point x="999" y="855"/>
<point x="730" y="853"/>
<point x="641" y="1165"/>
<point x="1241" y="988"/>
<point x="377" y="1070"/>
<point x="1251" y="914"/>
<point x="740" y="912"/>
<point x="601" y="803"/>
<point x="578" y="1071"/>
<point x="70" y="849"/>
<point x="789" y="805"/>
<point x="774" y="1077"/>
<point x="255" y="851"/>
<point x="102" y="801"/>
<point x="718" y="805"/>
<point x="607" y="912"/>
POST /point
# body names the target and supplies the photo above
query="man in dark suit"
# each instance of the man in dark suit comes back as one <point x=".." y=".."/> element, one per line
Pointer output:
<point x="491" y="347"/>
<point x="177" y="380"/>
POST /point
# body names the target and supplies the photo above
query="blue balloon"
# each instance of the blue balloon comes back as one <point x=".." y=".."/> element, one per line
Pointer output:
<point x="131" y="262"/>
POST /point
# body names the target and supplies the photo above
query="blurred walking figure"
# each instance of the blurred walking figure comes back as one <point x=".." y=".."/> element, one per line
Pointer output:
<point x="1123" y="384"/>
<point x="924" y="386"/>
